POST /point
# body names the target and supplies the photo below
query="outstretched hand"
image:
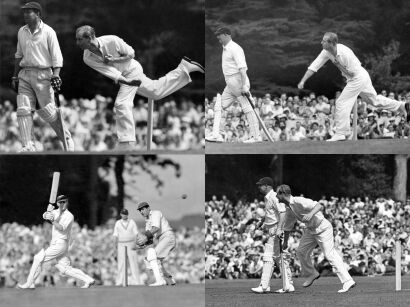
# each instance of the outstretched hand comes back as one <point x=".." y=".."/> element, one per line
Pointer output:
<point x="301" y="85"/>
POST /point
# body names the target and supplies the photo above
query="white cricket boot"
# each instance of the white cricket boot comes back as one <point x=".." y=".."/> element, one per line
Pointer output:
<point x="347" y="286"/>
<point x="259" y="289"/>
<point x="290" y="289"/>
<point x="337" y="137"/>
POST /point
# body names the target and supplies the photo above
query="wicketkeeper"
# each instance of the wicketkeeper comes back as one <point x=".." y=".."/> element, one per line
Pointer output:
<point x="157" y="226"/>
<point x="62" y="221"/>
<point x="38" y="61"/>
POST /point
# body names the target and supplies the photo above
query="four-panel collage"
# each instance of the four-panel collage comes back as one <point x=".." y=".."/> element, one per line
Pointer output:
<point x="204" y="153"/>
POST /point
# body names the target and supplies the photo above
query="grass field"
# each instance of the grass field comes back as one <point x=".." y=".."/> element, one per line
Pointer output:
<point x="185" y="295"/>
<point x="369" y="291"/>
<point x="385" y="146"/>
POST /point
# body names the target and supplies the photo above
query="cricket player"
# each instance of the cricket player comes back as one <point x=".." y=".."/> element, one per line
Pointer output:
<point x="157" y="226"/>
<point x="275" y="215"/>
<point x="113" y="58"/>
<point x="62" y="221"/>
<point x="318" y="231"/>
<point x="237" y="85"/>
<point x="38" y="61"/>
<point x="125" y="234"/>
<point x="358" y="83"/>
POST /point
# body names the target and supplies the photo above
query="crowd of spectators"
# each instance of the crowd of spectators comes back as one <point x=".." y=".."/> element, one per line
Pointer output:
<point x="177" y="125"/>
<point x="311" y="117"/>
<point x="94" y="252"/>
<point x="365" y="233"/>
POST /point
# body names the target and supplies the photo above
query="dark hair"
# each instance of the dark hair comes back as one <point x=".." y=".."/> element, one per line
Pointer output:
<point x="86" y="31"/>
<point x="284" y="189"/>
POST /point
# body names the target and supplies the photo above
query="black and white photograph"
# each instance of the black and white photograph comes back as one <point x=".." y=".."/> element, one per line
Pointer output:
<point x="307" y="230"/>
<point x="101" y="76"/>
<point x="302" y="76"/>
<point x="95" y="230"/>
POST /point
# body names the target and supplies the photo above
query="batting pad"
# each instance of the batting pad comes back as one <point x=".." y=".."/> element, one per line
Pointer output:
<point x="24" y="119"/>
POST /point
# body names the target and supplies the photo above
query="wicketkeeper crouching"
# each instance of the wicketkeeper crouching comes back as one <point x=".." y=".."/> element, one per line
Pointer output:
<point x="156" y="226"/>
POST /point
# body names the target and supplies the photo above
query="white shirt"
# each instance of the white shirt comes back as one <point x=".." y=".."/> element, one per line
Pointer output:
<point x="125" y="231"/>
<point x="115" y="46"/>
<point x="301" y="206"/>
<point x="273" y="208"/>
<point x="156" y="219"/>
<point x="66" y="220"/>
<point x="345" y="60"/>
<point x="233" y="59"/>
<point x="39" y="49"/>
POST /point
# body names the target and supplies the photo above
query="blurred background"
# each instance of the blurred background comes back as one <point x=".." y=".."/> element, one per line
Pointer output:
<point x="363" y="196"/>
<point x="98" y="187"/>
<point x="161" y="33"/>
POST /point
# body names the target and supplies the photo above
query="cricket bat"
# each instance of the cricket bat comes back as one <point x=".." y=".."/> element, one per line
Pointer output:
<point x="54" y="189"/>
<point x="285" y="281"/>
<point x="60" y="118"/>
<point x="248" y="96"/>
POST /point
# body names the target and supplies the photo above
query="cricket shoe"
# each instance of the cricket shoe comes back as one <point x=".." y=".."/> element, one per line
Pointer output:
<point x="170" y="281"/>
<point x="88" y="284"/>
<point x="310" y="280"/>
<point x="252" y="140"/>
<point x="288" y="290"/>
<point x="26" y="287"/>
<point x="158" y="283"/>
<point x="192" y="66"/>
<point x="337" y="137"/>
<point x="215" y="138"/>
<point x="259" y="289"/>
<point x="347" y="286"/>
<point x="30" y="147"/>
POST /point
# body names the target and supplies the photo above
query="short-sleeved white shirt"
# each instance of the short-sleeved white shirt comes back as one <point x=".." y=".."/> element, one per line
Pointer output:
<point x="272" y="208"/>
<point x="301" y="206"/>
<point x="157" y="219"/>
<point x="125" y="231"/>
<point x="345" y="60"/>
<point x="233" y="59"/>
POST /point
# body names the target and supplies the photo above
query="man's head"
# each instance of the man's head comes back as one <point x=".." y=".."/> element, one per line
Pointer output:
<point x="283" y="193"/>
<point x="62" y="202"/>
<point x="84" y="35"/>
<point x="265" y="184"/>
<point x="223" y="35"/>
<point x="329" y="40"/>
<point x="32" y="12"/>
<point x="124" y="214"/>
<point x="144" y="209"/>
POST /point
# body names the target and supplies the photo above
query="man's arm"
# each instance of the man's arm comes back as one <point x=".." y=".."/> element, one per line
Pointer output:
<point x="282" y="217"/>
<point x="15" y="79"/>
<point x="314" y="67"/>
<point x="318" y="207"/>
<point x="244" y="77"/>
<point x="309" y="73"/>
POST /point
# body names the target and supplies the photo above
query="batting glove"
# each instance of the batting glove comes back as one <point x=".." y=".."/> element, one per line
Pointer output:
<point x="56" y="83"/>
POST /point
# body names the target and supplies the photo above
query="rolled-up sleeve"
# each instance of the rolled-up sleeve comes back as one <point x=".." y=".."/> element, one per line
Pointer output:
<point x="19" y="51"/>
<point x="55" y="51"/>
<point x="321" y="59"/>
<point x="104" y="69"/>
<point x="239" y="57"/>
<point x="123" y="48"/>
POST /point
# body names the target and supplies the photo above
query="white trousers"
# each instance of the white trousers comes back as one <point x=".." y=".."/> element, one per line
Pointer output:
<point x="322" y="236"/>
<point x="154" y="89"/>
<point x="232" y="92"/>
<point x="362" y="86"/>
<point x="132" y="261"/>
<point x="166" y="244"/>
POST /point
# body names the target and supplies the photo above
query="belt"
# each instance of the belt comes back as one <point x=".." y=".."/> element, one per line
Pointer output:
<point x="126" y="241"/>
<point x="35" y="68"/>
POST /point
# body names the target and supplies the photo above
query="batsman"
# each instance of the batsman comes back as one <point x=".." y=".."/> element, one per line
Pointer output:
<point x="157" y="225"/>
<point x="274" y="222"/>
<point x="38" y="61"/>
<point x="62" y="221"/>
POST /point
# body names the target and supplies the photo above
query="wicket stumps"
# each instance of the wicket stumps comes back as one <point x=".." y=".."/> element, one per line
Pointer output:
<point x="125" y="282"/>
<point x="398" y="266"/>
<point x="150" y="122"/>
<point x="354" y="138"/>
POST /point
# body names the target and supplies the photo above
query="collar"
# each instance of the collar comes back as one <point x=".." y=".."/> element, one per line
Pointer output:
<point x="227" y="45"/>
<point x="40" y="27"/>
